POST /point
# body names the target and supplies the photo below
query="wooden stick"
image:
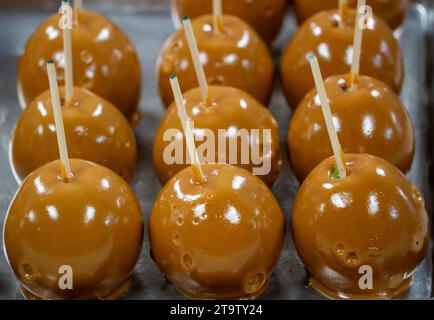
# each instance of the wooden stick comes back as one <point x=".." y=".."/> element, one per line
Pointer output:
<point x="218" y="15"/>
<point x="58" y="120"/>
<point x="319" y="83"/>
<point x="357" y="44"/>
<point x="343" y="12"/>
<point x="78" y="5"/>
<point x="78" y="8"/>
<point x="194" y="52"/>
<point x="186" y="127"/>
<point x="67" y="53"/>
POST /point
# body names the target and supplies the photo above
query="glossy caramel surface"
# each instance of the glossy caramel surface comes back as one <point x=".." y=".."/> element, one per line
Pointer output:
<point x="392" y="11"/>
<point x="91" y="223"/>
<point x="218" y="239"/>
<point x="229" y="109"/>
<point x="104" y="61"/>
<point x="374" y="217"/>
<point x="266" y="16"/>
<point x="369" y="119"/>
<point x="320" y="35"/>
<point x="95" y="130"/>
<point x="235" y="56"/>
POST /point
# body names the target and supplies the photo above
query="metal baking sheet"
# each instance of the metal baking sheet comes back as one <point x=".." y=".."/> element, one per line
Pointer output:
<point x="148" y="29"/>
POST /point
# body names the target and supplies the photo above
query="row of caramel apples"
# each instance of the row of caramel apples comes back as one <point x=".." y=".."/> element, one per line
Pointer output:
<point x="218" y="236"/>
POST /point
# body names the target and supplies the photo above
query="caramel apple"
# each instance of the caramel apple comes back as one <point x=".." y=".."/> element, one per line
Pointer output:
<point x="266" y="16"/>
<point x="371" y="223"/>
<point x="95" y="131"/>
<point x="234" y="56"/>
<point x="90" y="225"/>
<point x="333" y="45"/>
<point x="104" y="61"/>
<point x="229" y="109"/>
<point x="369" y="118"/>
<point x="392" y="11"/>
<point x="219" y="238"/>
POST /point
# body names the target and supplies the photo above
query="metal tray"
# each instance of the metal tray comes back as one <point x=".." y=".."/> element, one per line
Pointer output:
<point x="148" y="29"/>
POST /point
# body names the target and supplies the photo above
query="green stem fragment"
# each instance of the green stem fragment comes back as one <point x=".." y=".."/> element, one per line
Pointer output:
<point x="335" y="174"/>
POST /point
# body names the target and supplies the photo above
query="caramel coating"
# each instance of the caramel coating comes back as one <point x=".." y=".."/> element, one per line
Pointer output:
<point x="229" y="108"/>
<point x="95" y="130"/>
<point x="380" y="56"/>
<point x="218" y="239"/>
<point x="235" y="57"/>
<point x="265" y="16"/>
<point x="392" y="11"/>
<point x="374" y="217"/>
<point x="92" y="223"/>
<point x="369" y="119"/>
<point x="104" y="61"/>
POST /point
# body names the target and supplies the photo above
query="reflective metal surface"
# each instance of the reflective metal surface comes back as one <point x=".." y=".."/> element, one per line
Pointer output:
<point x="148" y="32"/>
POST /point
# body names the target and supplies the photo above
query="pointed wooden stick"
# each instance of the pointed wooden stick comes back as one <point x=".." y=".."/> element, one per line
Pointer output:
<point x="58" y="120"/>
<point x="186" y="127"/>
<point x="319" y="83"/>
<point x="357" y="43"/>
<point x="194" y="51"/>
